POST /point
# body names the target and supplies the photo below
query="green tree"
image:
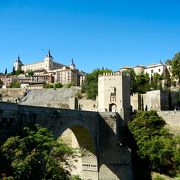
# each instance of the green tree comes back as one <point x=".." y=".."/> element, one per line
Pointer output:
<point x="13" y="71"/>
<point x="175" y="63"/>
<point x="48" y="85"/>
<point x="142" y="83"/>
<point x="5" y="72"/>
<point x="156" y="81"/>
<point x="168" y="62"/>
<point x="15" y="84"/>
<point x="155" y="144"/>
<point x="90" y="84"/>
<point x="35" y="154"/>
<point x="58" y="85"/>
<point x="30" y="73"/>
<point x="19" y="72"/>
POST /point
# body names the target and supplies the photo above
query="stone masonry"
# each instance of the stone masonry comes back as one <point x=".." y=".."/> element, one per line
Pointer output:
<point x="98" y="136"/>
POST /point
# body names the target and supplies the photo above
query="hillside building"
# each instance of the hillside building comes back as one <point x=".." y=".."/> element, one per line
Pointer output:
<point x="159" y="68"/>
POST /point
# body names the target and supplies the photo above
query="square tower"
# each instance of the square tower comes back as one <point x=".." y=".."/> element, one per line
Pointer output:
<point x="114" y="94"/>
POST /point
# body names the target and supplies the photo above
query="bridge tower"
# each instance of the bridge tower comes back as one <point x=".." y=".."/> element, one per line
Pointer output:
<point x="114" y="94"/>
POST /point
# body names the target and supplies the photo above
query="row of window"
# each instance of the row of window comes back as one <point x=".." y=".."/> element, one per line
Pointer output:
<point x="152" y="71"/>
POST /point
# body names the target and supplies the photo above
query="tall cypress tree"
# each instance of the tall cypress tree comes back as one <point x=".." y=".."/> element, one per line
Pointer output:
<point x="5" y="72"/>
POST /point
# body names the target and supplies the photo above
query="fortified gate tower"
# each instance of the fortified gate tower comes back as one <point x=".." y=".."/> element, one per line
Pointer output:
<point x="114" y="94"/>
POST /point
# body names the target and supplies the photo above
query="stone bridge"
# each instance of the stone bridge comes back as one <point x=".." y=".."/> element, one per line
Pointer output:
<point x="98" y="135"/>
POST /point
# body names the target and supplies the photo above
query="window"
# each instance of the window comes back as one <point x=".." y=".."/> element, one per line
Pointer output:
<point x="152" y="71"/>
<point x="159" y="70"/>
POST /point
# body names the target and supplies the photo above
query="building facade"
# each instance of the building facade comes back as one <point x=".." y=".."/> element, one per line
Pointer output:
<point x="159" y="68"/>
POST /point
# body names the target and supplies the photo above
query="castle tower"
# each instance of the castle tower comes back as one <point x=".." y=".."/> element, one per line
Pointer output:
<point x="18" y="64"/>
<point x="72" y="65"/>
<point x="114" y="94"/>
<point x="48" y="61"/>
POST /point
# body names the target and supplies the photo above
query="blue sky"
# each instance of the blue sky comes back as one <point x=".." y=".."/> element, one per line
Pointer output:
<point x="95" y="33"/>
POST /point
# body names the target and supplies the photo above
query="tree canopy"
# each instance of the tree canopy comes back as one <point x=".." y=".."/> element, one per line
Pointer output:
<point x="34" y="154"/>
<point x="155" y="143"/>
<point x="175" y="63"/>
<point x="90" y="85"/>
<point x="15" y="84"/>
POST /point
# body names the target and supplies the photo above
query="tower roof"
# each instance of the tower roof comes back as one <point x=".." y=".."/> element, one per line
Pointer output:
<point x="49" y="54"/>
<point x="72" y="65"/>
<point x="18" y="60"/>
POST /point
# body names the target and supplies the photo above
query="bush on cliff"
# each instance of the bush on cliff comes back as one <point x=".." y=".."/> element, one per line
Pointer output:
<point x="154" y="143"/>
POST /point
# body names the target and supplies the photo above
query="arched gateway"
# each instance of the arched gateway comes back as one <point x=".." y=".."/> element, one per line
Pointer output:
<point x="96" y="134"/>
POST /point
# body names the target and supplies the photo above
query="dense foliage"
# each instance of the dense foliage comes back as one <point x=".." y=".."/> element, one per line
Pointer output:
<point x="155" y="144"/>
<point x="58" y="85"/>
<point x="90" y="85"/>
<point x="140" y="83"/>
<point x="175" y="63"/>
<point x="15" y="84"/>
<point x="34" y="154"/>
<point x="30" y="73"/>
<point x="55" y="85"/>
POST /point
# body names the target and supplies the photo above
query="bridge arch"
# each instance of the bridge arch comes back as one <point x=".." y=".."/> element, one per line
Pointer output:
<point x="79" y="135"/>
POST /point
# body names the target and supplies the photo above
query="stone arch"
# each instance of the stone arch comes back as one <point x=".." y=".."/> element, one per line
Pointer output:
<point x="112" y="107"/>
<point x="79" y="135"/>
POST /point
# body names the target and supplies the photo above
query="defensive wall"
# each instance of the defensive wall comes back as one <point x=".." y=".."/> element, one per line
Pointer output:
<point x="98" y="135"/>
<point x="159" y="100"/>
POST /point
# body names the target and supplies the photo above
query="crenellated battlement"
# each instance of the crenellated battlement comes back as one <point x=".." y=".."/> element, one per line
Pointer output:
<point x="111" y="74"/>
<point x="118" y="73"/>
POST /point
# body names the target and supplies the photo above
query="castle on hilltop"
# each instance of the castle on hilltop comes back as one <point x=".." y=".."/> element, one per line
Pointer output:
<point x="47" y="64"/>
<point x="48" y="67"/>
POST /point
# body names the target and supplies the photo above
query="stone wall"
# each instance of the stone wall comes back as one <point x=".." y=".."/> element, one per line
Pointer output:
<point x="135" y="101"/>
<point x="58" y="98"/>
<point x="172" y="118"/>
<point x="88" y="104"/>
<point x="156" y="100"/>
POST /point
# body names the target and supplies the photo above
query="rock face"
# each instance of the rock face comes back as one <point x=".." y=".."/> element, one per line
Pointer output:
<point x="62" y="98"/>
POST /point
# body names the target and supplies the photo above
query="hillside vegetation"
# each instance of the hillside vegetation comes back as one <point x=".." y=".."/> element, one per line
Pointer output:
<point x="154" y="145"/>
